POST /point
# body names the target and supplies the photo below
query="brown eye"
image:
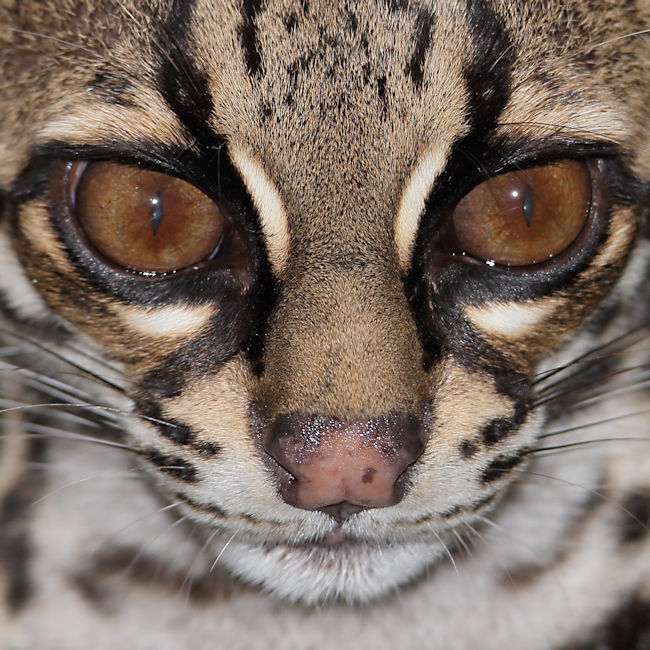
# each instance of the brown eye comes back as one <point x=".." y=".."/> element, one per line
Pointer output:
<point x="524" y="217"/>
<point x="145" y="220"/>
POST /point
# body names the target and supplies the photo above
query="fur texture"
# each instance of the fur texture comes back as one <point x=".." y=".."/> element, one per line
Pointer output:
<point x="143" y="508"/>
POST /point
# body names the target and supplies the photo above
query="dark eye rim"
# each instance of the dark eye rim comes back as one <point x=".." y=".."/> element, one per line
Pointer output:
<point x="64" y="185"/>
<point x="450" y="252"/>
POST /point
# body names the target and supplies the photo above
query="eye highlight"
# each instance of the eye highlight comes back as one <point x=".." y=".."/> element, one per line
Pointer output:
<point x="524" y="217"/>
<point x="144" y="220"/>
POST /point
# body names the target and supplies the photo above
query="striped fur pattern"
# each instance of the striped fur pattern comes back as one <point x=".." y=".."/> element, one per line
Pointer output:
<point x="138" y="507"/>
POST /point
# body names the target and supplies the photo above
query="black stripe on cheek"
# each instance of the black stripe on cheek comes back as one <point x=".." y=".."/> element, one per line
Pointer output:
<point x="248" y="35"/>
<point x="500" y="428"/>
<point x="176" y="431"/>
<point x="172" y="465"/>
<point x="44" y="329"/>
<point x="15" y="544"/>
<point x="635" y="511"/>
<point x="626" y="629"/>
<point x="500" y="467"/>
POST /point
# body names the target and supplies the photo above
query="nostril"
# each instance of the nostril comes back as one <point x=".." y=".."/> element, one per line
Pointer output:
<point x="342" y="467"/>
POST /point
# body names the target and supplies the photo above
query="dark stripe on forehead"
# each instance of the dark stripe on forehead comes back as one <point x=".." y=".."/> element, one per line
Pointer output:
<point x="248" y="35"/>
<point x="111" y="87"/>
<point x="183" y="84"/>
<point x="422" y="37"/>
<point x="488" y="73"/>
<point x="487" y="76"/>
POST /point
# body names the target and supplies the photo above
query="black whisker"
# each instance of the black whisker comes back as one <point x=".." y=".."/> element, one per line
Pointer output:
<point x="588" y="356"/>
<point x="539" y="451"/>
<point x="595" y="423"/>
<point x="86" y="373"/>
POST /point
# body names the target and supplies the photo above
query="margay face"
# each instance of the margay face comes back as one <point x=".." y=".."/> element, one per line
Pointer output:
<point x="328" y="247"/>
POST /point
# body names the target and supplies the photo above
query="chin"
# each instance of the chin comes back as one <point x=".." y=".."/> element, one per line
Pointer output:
<point x="347" y="571"/>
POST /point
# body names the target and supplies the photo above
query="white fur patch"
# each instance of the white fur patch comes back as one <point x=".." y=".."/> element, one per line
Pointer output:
<point x="168" y="322"/>
<point x="413" y="200"/>
<point x="356" y="574"/>
<point x="269" y="207"/>
<point x="17" y="289"/>
<point x="511" y="319"/>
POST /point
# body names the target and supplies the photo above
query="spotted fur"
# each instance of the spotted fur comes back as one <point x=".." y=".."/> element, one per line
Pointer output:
<point x="138" y="504"/>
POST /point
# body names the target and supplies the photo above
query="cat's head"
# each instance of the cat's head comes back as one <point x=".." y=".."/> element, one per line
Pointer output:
<point x="327" y="245"/>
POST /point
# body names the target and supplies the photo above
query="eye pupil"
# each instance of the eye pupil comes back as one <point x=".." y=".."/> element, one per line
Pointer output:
<point x="528" y="204"/>
<point x="156" y="212"/>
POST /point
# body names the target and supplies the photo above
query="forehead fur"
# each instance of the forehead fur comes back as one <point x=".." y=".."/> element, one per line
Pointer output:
<point x="377" y="81"/>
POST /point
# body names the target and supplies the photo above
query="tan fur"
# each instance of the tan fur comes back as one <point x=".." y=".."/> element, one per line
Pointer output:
<point x="340" y="129"/>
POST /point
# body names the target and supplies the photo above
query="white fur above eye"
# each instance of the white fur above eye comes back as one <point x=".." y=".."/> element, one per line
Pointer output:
<point x="413" y="201"/>
<point x="269" y="207"/>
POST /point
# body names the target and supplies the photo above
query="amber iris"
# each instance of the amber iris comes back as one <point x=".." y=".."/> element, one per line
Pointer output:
<point x="524" y="217"/>
<point x="145" y="220"/>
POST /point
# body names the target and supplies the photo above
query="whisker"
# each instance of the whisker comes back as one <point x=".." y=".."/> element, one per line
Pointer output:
<point x="587" y="356"/>
<point x="68" y="435"/>
<point x="222" y="551"/>
<point x="144" y="548"/>
<point x="639" y="383"/>
<point x="617" y="38"/>
<point x="104" y="410"/>
<point x="32" y="340"/>
<point x="583" y="443"/>
<point x="590" y="490"/>
<point x="189" y="578"/>
<point x="598" y="381"/>
<point x="447" y="551"/>
<point x="110" y="538"/>
<point x="580" y="427"/>
<point x="122" y="474"/>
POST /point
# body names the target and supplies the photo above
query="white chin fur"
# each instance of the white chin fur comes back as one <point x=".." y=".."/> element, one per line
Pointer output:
<point x="355" y="573"/>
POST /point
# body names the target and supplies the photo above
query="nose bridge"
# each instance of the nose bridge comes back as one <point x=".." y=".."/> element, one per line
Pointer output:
<point x="342" y="341"/>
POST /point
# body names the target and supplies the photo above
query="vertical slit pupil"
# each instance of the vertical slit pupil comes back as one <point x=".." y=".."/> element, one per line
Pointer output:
<point x="156" y="212"/>
<point x="528" y="204"/>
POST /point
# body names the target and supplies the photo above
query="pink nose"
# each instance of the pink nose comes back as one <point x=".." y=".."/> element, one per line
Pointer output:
<point x="343" y="467"/>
